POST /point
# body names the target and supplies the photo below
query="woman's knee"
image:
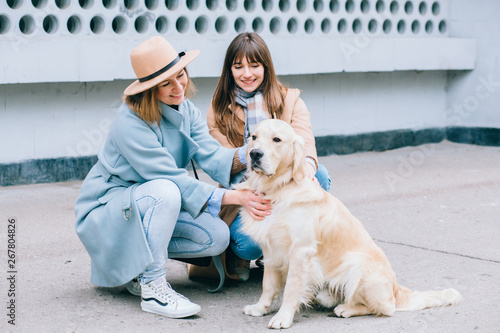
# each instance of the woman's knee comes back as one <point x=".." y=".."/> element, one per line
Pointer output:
<point x="220" y="239"/>
<point x="164" y="192"/>
<point x="248" y="250"/>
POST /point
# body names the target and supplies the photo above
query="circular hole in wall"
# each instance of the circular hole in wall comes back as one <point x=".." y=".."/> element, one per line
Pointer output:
<point x="422" y="8"/>
<point x="309" y="26"/>
<point x="373" y="26"/>
<point x="201" y="24"/>
<point x="326" y="26"/>
<point x="171" y="4"/>
<point x="415" y="27"/>
<point x="275" y="25"/>
<point x="349" y="6"/>
<point x="334" y="6"/>
<point x="97" y="24"/>
<point x="161" y="24"/>
<point x="221" y="25"/>
<point x="109" y="4"/>
<point x="380" y="6"/>
<point x="408" y="7"/>
<point x="356" y="26"/>
<point x="240" y="25"/>
<point x="39" y="4"/>
<point x="429" y="27"/>
<point x="4" y="24"/>
<point x="50" y="24"/>
<point x="401" y="27"/>
<point x="74" y="24"/>
<point x="130" y="4"/>
<point x="436" y="8"/>
<point x="192" y="4"/>
<point x="14" y="4"/>
<point x="267" y="5"/>
<point x="394" y="7"/>
<point x="258" y="25"/>
<point x="119" y="25"/>
<point x="182" y="24"/>
<point x="292" y="26"/>
<point x="141" y="24"/>
<point x="387" y="26"/>
<point x="301" y="6"/>
<point x="151" y="4"/>
<point x="342" y="26"/>
<point x="249" y="5"/>
<point x="365" y="6"/>
<point x="442" y="27"/>
<point x="231" y="5"/>
<point x="62" y="4"/>
<point x="212" y="4"/>
<point x="27" y="24"/>
<point x="284" y="5"/>
<point x="86" y="4"/>
<point x="318" y="5"/>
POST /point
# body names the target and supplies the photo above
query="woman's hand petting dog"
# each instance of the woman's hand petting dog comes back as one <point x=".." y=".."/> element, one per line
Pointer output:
<point x="254" y="204"/>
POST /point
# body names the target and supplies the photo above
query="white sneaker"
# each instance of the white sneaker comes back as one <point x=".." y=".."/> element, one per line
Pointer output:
<point x="134" y="287"/>
<point x="159" y="297"/>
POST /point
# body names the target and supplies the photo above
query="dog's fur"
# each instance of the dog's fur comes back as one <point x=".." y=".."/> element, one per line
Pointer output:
<point x="312" y="245"/>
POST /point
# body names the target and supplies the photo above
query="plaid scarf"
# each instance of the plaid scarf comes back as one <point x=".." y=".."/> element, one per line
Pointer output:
<point x="254" y="108"/>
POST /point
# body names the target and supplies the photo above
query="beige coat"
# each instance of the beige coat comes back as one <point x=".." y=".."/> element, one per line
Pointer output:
<point x="295" y="113"/>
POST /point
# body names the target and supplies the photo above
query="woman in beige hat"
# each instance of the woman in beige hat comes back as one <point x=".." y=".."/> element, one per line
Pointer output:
<point x="138" y="205"/>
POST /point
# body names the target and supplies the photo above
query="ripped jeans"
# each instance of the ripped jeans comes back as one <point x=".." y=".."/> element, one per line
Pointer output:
<point x="171" y="232"/>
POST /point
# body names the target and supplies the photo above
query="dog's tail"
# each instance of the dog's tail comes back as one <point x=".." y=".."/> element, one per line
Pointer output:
<point x="407" y="300"/>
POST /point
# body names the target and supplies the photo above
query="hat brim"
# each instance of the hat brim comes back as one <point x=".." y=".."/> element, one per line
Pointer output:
<point x="138" y="87"/>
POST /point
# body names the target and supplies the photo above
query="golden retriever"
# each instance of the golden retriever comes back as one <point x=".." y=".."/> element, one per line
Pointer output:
<point x="312" y="245"/>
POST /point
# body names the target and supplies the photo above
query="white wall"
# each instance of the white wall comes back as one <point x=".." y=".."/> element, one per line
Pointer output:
<point x="48" y="120"/>
<point x="372" y="81"/>
<point x="474" y="96"/>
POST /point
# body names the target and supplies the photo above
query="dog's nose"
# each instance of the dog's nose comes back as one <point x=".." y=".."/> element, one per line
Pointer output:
<point x="256" y="154"/>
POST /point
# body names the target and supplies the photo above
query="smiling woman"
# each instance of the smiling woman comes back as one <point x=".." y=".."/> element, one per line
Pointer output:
<point x="141" y="177"/>
<point x="249" y="92"/>
<point x="171" y="91"/>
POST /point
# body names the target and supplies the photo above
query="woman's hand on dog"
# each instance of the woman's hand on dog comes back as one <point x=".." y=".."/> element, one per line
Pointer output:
<point x="257" y="206"/>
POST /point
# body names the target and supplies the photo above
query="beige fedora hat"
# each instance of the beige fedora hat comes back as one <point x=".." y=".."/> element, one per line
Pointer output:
<point x="154" y="61"/>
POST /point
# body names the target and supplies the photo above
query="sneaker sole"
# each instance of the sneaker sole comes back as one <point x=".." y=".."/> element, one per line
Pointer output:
<point x="156" y="308"/>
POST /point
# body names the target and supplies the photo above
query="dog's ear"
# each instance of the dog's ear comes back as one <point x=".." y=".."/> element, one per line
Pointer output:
<point x="299" y="171"/>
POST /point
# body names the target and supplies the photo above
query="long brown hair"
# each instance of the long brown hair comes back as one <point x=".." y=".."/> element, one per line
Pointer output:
<point x="147" y="106"/>
<point x="251" y="46"/>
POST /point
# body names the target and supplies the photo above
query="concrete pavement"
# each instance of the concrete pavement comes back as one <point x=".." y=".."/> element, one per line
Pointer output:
<point x="434" y="210"/>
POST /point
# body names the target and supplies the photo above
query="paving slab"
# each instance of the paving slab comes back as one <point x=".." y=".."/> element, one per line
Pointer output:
<point x="434" y="209"/>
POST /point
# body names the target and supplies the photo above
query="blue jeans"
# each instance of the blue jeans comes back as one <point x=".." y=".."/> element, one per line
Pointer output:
<point x="244" y="246"/>
<point x="171" y="232"/>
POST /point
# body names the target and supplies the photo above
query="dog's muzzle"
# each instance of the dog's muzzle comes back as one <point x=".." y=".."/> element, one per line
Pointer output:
<point x="255" y="158"/>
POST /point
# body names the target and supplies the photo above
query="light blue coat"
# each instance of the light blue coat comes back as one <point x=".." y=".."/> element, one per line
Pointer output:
<point x="107" y="219"/>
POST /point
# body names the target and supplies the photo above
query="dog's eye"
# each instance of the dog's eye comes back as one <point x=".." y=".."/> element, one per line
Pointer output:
<point x="277" y="139"/>
<point x="254" y="137"/>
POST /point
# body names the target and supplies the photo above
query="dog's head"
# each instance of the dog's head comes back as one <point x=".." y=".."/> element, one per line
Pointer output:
<point x="276" y="150"/>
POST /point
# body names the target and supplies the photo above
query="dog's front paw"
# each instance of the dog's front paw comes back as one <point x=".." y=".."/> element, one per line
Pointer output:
<point x="343" y="311"/>
<point x="256" y="310"/>
<point x="281" y="320"/>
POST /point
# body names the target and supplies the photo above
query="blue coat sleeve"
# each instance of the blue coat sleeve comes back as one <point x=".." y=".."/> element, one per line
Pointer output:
<point x="214" y="159"/>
